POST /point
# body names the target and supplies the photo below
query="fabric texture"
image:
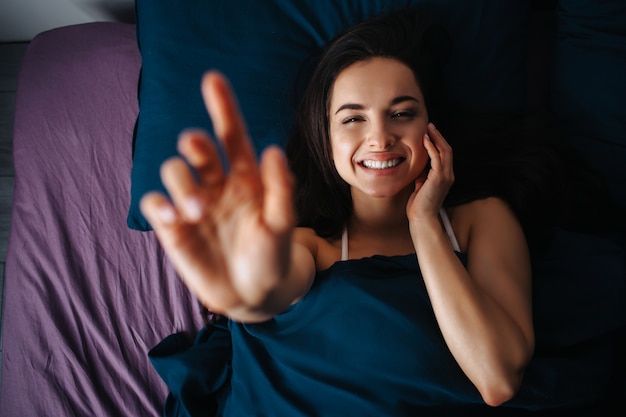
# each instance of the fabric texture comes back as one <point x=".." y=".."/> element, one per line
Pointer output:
<point x="305" y="361"/>
<point x="579" y="282"/>
<point x="588" y="85"/>
<point x="85" y="297"/>
<point x="198" y="373"/>
<point x="265" y="49"/>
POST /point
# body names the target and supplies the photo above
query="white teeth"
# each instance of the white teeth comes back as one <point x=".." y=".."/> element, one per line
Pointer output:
<point x="381" y="164"/>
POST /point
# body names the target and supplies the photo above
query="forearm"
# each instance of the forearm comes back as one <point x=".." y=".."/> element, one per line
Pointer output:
<point x="487" y="343"/>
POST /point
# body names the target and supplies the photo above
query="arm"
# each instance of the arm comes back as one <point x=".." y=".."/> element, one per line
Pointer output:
<point x="484" y="311"/>
<point x="230" y="236"/>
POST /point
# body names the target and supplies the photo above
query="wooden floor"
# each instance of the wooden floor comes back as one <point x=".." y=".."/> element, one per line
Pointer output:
<point x="10" y="57"/>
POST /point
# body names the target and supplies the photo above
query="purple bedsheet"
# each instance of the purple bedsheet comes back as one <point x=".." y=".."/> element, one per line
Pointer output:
<point x="85" y="297"/>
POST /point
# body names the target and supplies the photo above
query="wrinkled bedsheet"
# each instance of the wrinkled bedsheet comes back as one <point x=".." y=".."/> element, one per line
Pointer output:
<point x="85" y="297"/>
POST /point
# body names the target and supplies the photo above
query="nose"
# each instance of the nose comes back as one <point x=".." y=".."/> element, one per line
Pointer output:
<point x="379" y="137"/>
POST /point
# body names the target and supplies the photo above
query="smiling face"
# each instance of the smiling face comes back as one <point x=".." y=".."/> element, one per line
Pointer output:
<point x="377" y="122"/>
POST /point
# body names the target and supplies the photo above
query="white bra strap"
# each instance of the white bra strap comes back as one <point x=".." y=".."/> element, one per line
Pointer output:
<point x="344" y="244"/>
<point x="446" y="225"/>
<point x="449" y="231"/>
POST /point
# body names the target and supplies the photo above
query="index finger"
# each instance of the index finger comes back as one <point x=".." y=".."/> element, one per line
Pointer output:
<point x="228" y="122"/>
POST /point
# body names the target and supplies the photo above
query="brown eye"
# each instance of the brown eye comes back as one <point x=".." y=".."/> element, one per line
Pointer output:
<point x="403" y="114"/>
<point x="351" y="120"/>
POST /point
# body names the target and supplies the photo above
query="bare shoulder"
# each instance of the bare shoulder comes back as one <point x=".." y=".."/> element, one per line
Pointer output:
<point x="478" y="214"/>
<point x="497" y="252"/>
<point x="484" y="203"/>
<point x="307" y="237"/>
<point x="324" y="252"/>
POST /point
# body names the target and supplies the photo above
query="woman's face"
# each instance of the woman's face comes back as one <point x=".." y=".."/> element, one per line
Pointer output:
<point x="377" y="120"/>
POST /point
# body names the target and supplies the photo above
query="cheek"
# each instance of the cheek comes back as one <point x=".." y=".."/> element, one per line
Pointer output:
<point x="341" y="145"/>
<point x="342" y="155"/>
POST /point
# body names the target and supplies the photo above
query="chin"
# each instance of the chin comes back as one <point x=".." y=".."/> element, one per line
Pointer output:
<point x="388" y="193"/>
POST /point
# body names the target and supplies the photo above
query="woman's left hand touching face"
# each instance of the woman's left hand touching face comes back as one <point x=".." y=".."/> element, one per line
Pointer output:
<point x="433" y="185"/>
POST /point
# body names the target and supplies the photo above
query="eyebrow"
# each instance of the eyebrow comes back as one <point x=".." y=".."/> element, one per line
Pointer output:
<point x="356" y="106"/>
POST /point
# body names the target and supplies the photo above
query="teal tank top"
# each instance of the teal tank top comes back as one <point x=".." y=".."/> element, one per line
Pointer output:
<point x="364" y="341"/>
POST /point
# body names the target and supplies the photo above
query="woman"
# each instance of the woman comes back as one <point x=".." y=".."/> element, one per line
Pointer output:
<point x="382" y="300"/>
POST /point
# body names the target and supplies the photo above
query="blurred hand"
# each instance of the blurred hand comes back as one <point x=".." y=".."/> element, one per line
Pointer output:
<point x="227" y="234"/>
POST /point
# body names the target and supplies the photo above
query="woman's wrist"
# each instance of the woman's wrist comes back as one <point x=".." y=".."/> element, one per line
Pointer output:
<point x="425" y="227"/>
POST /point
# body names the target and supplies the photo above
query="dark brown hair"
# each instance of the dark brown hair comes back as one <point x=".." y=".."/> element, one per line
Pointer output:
<point x="511" y="155"/>
<point x="323" y="200"/>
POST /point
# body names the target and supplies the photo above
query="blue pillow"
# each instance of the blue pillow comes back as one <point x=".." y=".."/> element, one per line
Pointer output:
<point x="588" y="94"/>
<point x="263" y="46"/>
<point x="579" y="282"/>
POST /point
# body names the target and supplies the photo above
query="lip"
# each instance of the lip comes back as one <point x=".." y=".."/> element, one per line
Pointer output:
<point x="381" y="158"/>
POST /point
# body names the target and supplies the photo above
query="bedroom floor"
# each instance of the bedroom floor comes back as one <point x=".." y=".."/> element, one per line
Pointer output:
<point x="10" y="57"/>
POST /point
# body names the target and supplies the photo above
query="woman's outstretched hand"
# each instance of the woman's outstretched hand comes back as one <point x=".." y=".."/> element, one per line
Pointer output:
<point x="432" y="187"/>
<point x="228" y="234"/>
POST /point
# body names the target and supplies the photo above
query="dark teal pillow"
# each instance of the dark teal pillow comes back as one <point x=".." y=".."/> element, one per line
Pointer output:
<point x="263" y="46"/>
<point x="589" y="85"/>
<point x="579" y="282"/>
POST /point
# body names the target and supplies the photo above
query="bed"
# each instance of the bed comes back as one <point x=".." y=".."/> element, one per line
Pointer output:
<point x="88" y="291"/>
<point x="85" y="296"/>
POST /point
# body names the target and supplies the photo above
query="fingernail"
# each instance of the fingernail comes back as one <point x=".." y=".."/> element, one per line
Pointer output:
<point x="432" y="126"/>
<point x="166" y="214"/>
<point x="193" y="209"/>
